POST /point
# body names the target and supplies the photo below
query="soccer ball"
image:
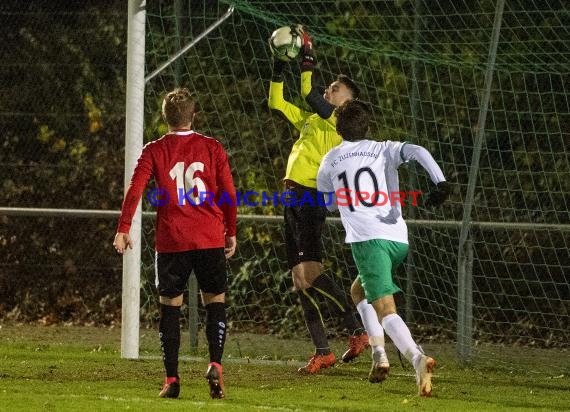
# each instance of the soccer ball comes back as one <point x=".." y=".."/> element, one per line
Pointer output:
<point x="285" y="43"/>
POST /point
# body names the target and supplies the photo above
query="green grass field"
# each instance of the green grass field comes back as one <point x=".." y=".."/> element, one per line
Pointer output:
<point x="80" y="369"/>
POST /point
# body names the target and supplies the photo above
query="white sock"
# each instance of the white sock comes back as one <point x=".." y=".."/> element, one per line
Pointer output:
<point x="401" y="336"/>
<point x="372" y="325"/>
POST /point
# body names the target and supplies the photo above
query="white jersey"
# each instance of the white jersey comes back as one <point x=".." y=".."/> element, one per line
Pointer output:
<point x="363" y="176"/>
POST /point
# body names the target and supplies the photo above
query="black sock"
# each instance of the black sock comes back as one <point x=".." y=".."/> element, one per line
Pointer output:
<point x="169" y="333"/>
<point x="314" y="323"/>
<point x="216" y="330"/>
<point x="324" y="285"/>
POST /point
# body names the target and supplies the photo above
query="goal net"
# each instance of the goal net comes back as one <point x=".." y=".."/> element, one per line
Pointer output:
<point x="499" y="273"/>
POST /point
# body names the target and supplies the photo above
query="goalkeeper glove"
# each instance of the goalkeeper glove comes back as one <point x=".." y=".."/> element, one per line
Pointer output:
<point x="437" y="196"/>
<point x="277" y="75"/>
<point x="308" y="59"/>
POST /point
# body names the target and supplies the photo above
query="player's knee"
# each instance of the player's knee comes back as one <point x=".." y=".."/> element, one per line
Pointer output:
<point x="385" y="311"/>
<point x="384" y="306"/>
<point x="357" y="292"/>
<point x="175" y="301"/>
<point x="297" y="270"/>
<point x="208" y="298"/>
<point x="311" y="270"/>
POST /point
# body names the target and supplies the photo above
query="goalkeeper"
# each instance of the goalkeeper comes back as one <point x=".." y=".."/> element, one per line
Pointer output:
<point x="304" y="220"/>
<point x="375" y="227"/>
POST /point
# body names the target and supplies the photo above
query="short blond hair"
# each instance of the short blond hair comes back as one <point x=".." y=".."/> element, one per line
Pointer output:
<point x="178" y="107"/>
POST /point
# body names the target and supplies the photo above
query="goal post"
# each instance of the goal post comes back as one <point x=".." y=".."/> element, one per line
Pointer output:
<point x="130" y="313"/>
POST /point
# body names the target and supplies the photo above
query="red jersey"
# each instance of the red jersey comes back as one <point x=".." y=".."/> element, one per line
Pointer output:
<point x="198" y="198"/>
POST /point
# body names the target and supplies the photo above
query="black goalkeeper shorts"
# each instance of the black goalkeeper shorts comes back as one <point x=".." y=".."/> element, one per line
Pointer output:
<point x="304" y="220"/>
<point x="173" y="271"/>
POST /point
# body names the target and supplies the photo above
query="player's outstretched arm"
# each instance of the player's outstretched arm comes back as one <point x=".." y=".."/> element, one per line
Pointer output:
<point x="276" y="100"/>
<point x="440" y="193"/>
<point x="420" y="154"/>
<point x="312" y="93"/>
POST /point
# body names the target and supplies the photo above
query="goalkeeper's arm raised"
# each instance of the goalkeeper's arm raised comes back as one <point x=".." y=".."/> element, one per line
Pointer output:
<point x="276" y="101"/>
<point x="309" y="90"/>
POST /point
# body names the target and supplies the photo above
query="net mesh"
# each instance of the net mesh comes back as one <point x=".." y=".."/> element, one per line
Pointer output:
<point x="422" y="68"/>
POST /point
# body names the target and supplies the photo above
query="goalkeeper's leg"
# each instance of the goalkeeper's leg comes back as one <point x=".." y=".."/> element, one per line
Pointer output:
<point x="341" y="307"/>
<point x="303" y="230"/>
<point x="323" y="357"/>
<point x="358" y="339"/>
<point x="314" y="322"/>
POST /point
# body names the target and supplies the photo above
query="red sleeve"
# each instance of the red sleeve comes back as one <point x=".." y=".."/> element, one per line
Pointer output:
<point x="141" y="176"/>
<point x="226" y="185"/>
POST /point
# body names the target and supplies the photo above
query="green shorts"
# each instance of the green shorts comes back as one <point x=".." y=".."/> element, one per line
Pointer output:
<point x="375" y="260"/>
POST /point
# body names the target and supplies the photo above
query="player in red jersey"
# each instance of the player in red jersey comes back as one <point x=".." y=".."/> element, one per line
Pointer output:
<point x="195" y="230"/>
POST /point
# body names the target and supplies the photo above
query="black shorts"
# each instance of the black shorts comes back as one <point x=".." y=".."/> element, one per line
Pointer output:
<point x="173" y="271"/>
<point x="304" y="221"/>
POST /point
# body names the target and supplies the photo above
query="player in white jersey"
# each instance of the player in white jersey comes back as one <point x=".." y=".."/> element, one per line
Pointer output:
<point x="362" y="178"/>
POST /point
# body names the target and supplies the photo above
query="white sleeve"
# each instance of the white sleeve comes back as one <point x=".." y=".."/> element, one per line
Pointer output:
<point x="424" y="158"/>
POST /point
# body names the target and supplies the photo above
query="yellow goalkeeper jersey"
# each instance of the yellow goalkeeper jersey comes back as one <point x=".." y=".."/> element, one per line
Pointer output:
<point x="317" y="135"/>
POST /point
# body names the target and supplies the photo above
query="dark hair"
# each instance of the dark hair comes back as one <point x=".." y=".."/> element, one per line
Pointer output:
<point x="178" y="107"/>
<point x="347" y="81"/>
<point x="353" y="119"/>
